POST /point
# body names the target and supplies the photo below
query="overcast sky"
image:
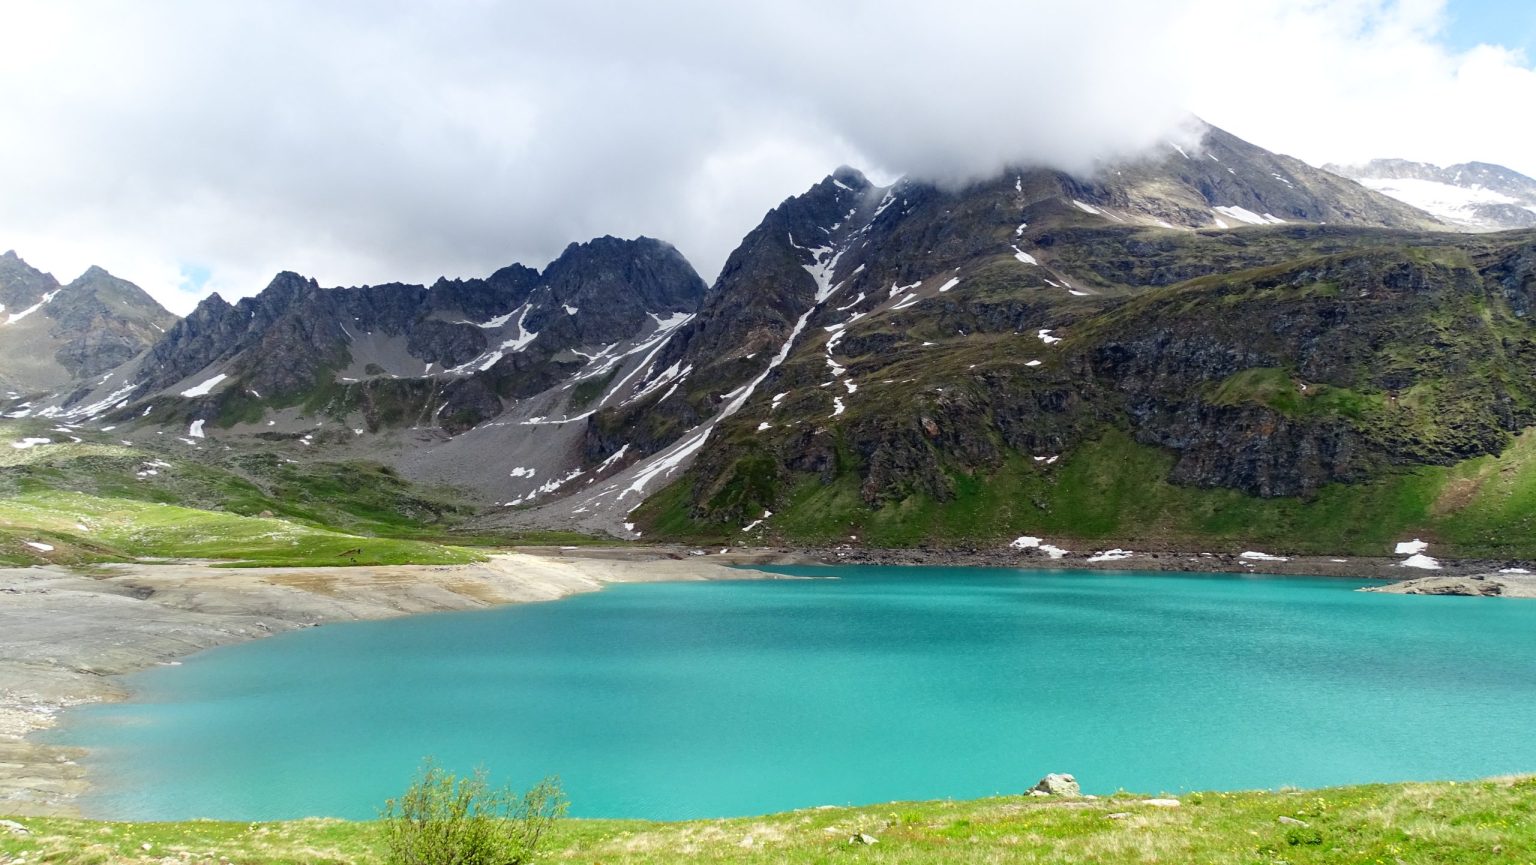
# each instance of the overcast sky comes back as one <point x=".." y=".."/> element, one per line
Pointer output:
<point x="198" y="146"/>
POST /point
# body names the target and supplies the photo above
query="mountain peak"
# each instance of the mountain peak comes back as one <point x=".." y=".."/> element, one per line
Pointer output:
<point x="849" y="177"/>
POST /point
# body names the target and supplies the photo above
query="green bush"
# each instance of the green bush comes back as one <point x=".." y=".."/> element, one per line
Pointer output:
<point x="444" y="819"/>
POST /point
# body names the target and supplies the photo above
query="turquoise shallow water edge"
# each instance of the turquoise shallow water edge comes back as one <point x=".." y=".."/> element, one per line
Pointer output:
<point x="681" y="700"/>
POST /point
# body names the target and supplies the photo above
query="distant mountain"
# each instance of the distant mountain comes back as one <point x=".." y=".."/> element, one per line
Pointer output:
<point x="1474" y="195"/>
<point x="54" y="336"/>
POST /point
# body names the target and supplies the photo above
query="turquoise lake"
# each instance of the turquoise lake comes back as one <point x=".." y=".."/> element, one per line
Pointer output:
<point x="728" y="698"/>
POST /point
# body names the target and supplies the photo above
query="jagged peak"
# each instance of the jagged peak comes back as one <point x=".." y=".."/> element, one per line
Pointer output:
<point x="848" y="176"/>
<point x="212" y="302"/>
<point x="609" y="242"/>
<point x="608" y="247"/>
<point x="289" y="277"/>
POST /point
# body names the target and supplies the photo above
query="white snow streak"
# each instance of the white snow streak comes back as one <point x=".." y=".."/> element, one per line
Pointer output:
<point x="204" y="388"/>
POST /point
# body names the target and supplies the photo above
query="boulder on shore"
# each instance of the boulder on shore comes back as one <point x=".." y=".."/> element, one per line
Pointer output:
<point x="1056" y="784"/>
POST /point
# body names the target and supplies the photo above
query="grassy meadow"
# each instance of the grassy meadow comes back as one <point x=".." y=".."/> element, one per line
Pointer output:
<point x="1473" y="823"/>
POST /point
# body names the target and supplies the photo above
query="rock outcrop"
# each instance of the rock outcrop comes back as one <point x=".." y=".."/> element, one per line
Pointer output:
<point x="56" y="336"/>
<point x="1056" y="784"/>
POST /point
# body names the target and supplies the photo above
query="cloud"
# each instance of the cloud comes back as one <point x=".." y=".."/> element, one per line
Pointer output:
<point x="367" y="142"/>
<point x="1352" y="80"/>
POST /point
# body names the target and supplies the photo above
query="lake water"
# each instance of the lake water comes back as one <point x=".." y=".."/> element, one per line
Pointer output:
<point x="715" y="699"/>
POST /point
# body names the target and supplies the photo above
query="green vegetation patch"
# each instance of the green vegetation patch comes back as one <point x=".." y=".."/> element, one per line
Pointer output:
<point x="1447" y="823"/>
<point x="1278" y="389"/>
<point x="1116" y="489"/>
<point x="64" y="527"/>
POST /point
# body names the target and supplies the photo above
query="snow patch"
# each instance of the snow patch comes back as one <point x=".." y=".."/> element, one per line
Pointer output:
<point x="1243" y="214"/>
<point x="1087" y="208"/>
<point x="18" y="316"/>
<point x="1408" y="548"/>
<point x="1114" y="555"/>
<point x="196" y="430"/>
<point x="1023" y="256"/>
<point x="1045" y="336"/>
<point x="1255" y="556"/>
<point x="612" y="458"/>
<point x="1455" y="203"/>
<point x="498" y="321"/>
<point x="1032" y="543"/>
<point x="948" y="285"/>
<point x="204" y="388"/>
<point x="1422" y="562"/>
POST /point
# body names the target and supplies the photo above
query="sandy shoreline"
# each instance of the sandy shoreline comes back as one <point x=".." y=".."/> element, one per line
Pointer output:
<point x="66" y="633"/>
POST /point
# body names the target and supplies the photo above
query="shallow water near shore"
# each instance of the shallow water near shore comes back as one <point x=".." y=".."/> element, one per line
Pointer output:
<point x="697" y="699"/>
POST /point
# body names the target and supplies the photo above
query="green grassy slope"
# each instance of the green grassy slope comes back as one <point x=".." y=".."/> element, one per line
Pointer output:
<point x="73" y="528"/>
<point x="99" y="499"/>
<point x="1445" y="823"/>
<point x="1114" y="489"/>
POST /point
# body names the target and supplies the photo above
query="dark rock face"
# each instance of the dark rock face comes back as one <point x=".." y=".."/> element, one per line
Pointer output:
<point x="745" y="318"/>
<point x="280" y="333"/>
<point x="295" y="336"/>
<point x="21" y="284"/>
<point x="104" y="322"/>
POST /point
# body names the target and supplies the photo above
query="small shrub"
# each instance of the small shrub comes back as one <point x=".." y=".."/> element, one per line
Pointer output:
<point x="445" y="819"/>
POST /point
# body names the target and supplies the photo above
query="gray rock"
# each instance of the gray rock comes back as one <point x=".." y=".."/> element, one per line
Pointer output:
<point x="1291" y="821"/>
<point x="1056" y="784"/>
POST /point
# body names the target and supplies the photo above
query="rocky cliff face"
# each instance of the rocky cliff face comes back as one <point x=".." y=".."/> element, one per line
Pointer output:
<point x="510" y="335"/>
<point x="54" y="336"/>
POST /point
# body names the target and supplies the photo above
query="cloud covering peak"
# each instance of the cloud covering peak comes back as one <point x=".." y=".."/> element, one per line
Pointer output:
<point x="198" y="146"/>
